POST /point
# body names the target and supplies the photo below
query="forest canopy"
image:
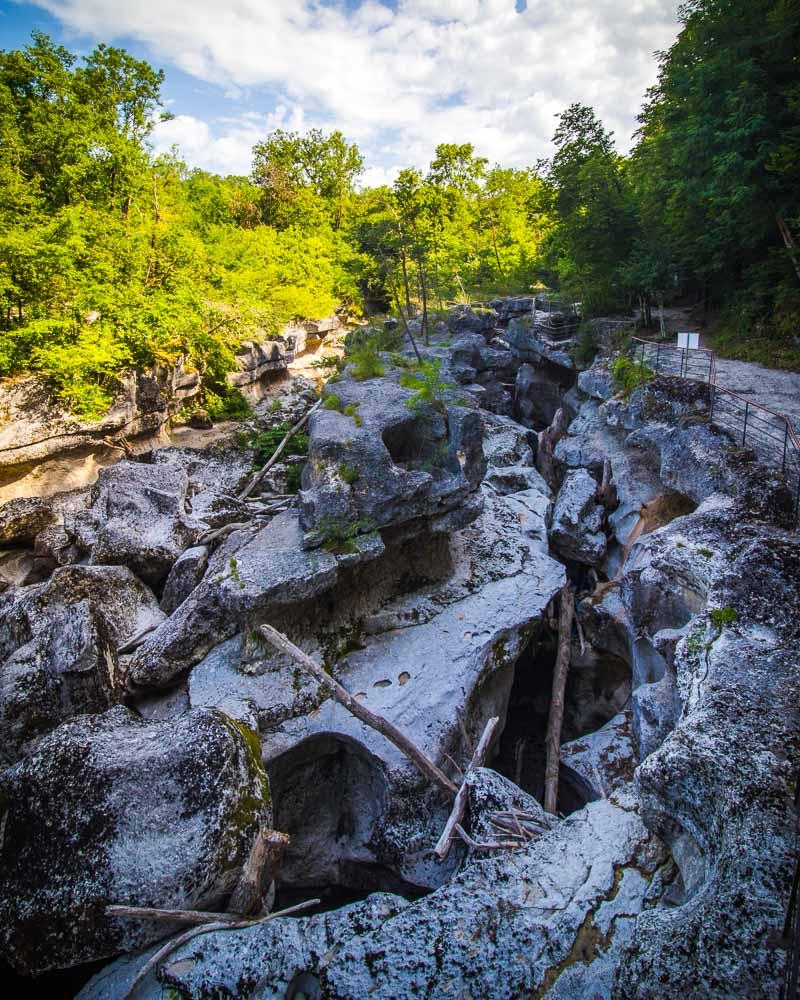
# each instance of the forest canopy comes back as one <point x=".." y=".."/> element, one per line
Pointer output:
<point x="111" y="256"/>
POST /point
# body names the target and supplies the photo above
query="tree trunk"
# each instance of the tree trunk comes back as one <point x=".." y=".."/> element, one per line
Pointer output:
<point x="424" y="290"/>
<point x="556" y="717"/>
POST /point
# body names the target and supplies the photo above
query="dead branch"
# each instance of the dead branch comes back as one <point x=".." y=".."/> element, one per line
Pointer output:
<point x="556" y="716"/>
<point x="545" y="452"/>
<point x="607" y="491"/>
<point x="500" y="845"/>
<point x="222" y="925"/>
<point x="460" y="803"/>
<point x="262" y="866"/>
<point x="256" y="479"/>
<point x="369" y="718"/>
<point x="196" y="918"/>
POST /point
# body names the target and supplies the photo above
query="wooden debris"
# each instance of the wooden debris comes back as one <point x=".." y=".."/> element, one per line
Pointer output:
<point x="545" y="453"/>
<point x="195" y="918"/>
<point x="500" y="845"/>
<point x="220" y="925"/>
<point x="262" y="866"/>
<point x="607" y="491"/>
<point x="556" y="716"/>
<point x="256" y="479"/>
<point x="360" y="711"/>
<point x="459" y="805"/>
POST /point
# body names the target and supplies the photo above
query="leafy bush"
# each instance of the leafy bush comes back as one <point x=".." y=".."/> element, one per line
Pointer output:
<point x="339" y="536"/>
<point x="430" y="388"/>
<point x="332" y="402"/>
<point x="349" y="473"/>
<point x="351" y="410"/>
<point x="230" y="404"/>
<point x="720" y="617"/>
<point x="266" y="443"/>
<point x="627" y="375"/>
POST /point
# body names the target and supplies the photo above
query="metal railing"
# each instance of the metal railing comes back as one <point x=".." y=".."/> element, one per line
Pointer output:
<point x="770" y="434"/>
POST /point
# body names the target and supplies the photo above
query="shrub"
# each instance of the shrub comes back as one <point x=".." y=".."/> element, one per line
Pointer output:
<point x="430" y="388"/>
<point x="339" y="536"/>
<point x="720" y="617"/>
<point x="333" y="402"/>
<point x="351" y="410"/>
<point x="229" y="405"/>
<point x="349" y="473"/>
<point x="266" y="443"/>
<point x="587" y="347"/>
<point x="627" y="375"/>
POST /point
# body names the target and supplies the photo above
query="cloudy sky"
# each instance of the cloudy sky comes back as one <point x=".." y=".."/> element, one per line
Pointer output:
<point x="396" y="76"/>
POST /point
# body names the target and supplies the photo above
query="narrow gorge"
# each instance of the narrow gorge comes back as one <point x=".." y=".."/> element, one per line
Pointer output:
<point x="152" y="738"/>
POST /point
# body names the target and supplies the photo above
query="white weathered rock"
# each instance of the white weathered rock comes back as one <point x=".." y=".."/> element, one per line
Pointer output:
<point x="576" y="532"/>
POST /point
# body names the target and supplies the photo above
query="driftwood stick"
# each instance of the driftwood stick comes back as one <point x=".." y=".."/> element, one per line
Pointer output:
<point x="607" y="491"/>
<point x="460" y="803"/>
<point x="196" y="918"/>
<point x="369" y="718"/>
<point x="556" y="716"/>
<point x="222" y="925"/>
<point x="477" y="846"/>
<point x="262" y="866"/>
<point x="545" y="452"/>
<point x="256" y="479"/>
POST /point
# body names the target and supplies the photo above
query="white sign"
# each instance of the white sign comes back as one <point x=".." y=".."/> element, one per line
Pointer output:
<point x="689" y="341"/>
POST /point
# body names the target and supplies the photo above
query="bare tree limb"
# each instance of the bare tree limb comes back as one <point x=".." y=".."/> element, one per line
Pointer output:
<point x="261" y="868"/>
<point x="556" y="716"/>
<point x="355" y="707"/>
<point x="256" y="479"/>
<point x="460" y="803"/>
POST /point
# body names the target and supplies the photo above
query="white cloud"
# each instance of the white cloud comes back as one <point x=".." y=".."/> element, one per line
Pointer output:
<point x="400" y="80"/>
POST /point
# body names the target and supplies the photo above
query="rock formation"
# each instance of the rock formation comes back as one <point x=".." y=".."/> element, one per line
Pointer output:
<point x="419" y="567"/>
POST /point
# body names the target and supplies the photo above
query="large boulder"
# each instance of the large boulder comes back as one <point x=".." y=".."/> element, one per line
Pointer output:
<point x="256" y="570"/>
<point x="112" y="809"/>
<point x="527" y="345"/>
<point x="254" y="360"/>
<point x="138" y="519"/>
<point x="21" y="520"/>
<point x="536" y="397"/>
<point x="58" y="651"/>
<point x="472" y="319"/>
<point x="576" y="532"/>
<point x="396" y="463"/>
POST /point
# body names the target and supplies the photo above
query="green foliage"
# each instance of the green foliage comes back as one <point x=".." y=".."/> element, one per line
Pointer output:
<point x="722" y="617"/>
<point x="431" y="390"/>
<point x="229" y="404"/>
<point x="265" y="443"/>
<point x="332" y="402"/>
<point x="339" y="536"/>
<point x="627" y="375"/>
<point x="349" y="473"/>
<point x="351" y="410"/>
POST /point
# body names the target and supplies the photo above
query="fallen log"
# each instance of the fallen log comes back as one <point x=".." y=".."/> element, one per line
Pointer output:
<point x="460" y="803"/>
<point x="195" y="918"/>
<point x="556" y="716"/>
<point x="261" y="868"/>
<point x="355" y="707"/>
<point x="135" y="641"/>
<point x="256" y="479"/>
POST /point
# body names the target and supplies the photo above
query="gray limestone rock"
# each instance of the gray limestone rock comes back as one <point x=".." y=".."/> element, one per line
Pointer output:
<point x="138" y="519"/>
<point x="576" y="531"/>
<point x="536" y="397"/>
<point x="112" y="809"/>
<point x="58" y="648"/>
<point x="472" y="319"/>
<point x="21" y="520"/>
<point x="399" y="463"/>
<point x="185" y="575"/>
<point x="255" y="570"/>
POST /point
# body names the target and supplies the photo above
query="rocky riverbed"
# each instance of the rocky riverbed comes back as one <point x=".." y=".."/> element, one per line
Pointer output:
<point x="150" y="735"/>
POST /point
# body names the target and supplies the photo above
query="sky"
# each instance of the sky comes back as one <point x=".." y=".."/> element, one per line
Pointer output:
<point x="396" y="76"/>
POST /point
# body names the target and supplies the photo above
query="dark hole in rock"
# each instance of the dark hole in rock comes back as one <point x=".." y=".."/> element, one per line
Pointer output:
<point x="598" y="687"/>
<point x="329" y="794"/>
<point x="420" y="443"/>
<point x="59" y="984"/>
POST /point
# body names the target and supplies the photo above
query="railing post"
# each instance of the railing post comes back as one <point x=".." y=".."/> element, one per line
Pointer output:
<point x="785" y="446"/>
<point x="744" y="431"/>
<point x="712" y="387"/>
<point x="641" y="363"/>
<point x="658" y="355"/>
